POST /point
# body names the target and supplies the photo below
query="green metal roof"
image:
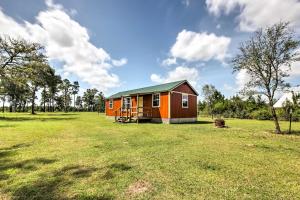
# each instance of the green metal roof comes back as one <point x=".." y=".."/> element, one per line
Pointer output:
<point x="151" y="89"/>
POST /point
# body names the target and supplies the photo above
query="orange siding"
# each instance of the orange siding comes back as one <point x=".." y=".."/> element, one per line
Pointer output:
<point x="158" y="112"/>
<point x="116" y="105"/>
<point x="162" y="112"/>
<point x="176" y="106"/>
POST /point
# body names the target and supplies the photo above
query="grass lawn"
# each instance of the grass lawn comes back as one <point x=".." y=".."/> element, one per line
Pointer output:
<point x="86" y="156"/>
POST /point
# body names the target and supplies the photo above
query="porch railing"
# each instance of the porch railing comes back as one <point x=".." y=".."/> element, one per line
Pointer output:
<point x="132" y="113"/>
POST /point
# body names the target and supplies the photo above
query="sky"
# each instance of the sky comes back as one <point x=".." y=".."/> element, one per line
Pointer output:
<point x="115" y="45"/>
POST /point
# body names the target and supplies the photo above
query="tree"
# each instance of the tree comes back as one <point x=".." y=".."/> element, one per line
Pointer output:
<point x="100" y="101"/>
<point x="79" y="102"/>
<point x="66" y="88"/>
<point x="37" y="74"/>
<point x="75" y="90"/>
<point x="211" y="97"/>
<point x="53" y="84"/>
<point x="18" y="53"/>
<point x="267" y="58"/>
<point x="89" y="99"/>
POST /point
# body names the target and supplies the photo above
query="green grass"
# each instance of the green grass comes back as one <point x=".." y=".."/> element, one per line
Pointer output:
<point x="86" y="156"/>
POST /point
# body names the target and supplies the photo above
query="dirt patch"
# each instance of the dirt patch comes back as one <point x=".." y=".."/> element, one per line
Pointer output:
<point x="138" y="188"/>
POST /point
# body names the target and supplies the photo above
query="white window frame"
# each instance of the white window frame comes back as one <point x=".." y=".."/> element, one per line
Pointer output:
<point x="187" y="101"/>
<point x="111" y="104"/>
<point x="130" y="102"/>
<point x="158" y="100"/>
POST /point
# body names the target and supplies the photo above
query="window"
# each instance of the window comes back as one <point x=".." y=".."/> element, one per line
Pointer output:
<point x="126" y="102"/>
<point x="111" y="104"/>
<point x="185" y="100"/>
<point x="155" y="100"/>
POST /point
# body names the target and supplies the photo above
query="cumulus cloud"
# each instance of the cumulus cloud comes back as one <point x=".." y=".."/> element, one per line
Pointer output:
<point x="67" y="41"/>
<point x="258" y="13"/>
<point x="169" y="61"/>
<point x="242" y="78"/>
<point x="119" y="63"/>
<point x="295" y="69"/>
<point x="192" y="46"/>
<point x="179" y="73"/>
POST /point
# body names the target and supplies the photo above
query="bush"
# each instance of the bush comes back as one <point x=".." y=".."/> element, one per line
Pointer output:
<point x="220" y="123"/>
<point x="261" y="114"/>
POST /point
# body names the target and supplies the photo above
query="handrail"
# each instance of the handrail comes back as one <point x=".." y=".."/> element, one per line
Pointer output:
<point x="128" y="113"/>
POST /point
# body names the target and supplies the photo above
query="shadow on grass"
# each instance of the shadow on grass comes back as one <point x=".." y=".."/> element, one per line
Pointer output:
<point x="295" y="132"/>
<point x="60" y="114"/>
<point x="7" y="125"/>
<point x="7" y="163"/>
<point x="19" y="119"/>
<point x="47" y="185"/>
<point x="183" y="123"/>
<point x="52" y="185"/>
<point x="196" y="123"/>
<point x="120" y="166"/>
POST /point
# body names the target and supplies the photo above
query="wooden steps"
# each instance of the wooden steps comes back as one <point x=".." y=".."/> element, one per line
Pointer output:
<point x="127" y="115"/>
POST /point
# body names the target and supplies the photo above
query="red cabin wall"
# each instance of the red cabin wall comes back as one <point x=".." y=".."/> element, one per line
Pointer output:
<point x="176" y="102"/>
<point x="184" y="88"/>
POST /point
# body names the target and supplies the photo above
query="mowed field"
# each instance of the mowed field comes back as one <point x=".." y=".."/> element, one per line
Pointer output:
<point x="86" y="156"/>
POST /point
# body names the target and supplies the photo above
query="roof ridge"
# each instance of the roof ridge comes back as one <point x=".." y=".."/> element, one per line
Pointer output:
<point x="172" y="84"/>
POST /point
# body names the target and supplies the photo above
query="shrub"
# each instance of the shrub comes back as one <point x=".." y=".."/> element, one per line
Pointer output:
<point x="220" y="123"/>
<point x="261" y="114"/>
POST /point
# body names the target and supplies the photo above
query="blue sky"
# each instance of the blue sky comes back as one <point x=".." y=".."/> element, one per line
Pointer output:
<point x="116" y="45"/>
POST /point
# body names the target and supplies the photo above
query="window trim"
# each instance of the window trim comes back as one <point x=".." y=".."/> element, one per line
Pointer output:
<point x="111" y="104"/>
<point x="185" y="95"/>
<point x="158" y="100"/>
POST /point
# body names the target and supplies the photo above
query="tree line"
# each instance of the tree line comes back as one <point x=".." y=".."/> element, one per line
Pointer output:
<point x="215" y="104"/>
<point x="266" y="57"/>
<point x="25" y="71"/>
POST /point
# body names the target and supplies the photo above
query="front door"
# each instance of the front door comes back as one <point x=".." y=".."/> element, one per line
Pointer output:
<point x="141" y="104"/>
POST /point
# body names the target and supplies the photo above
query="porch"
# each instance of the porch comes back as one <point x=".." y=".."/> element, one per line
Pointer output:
<point x="133" y="114"/>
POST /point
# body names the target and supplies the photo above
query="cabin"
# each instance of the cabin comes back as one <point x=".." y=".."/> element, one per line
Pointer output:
<point x="174" y="102"/>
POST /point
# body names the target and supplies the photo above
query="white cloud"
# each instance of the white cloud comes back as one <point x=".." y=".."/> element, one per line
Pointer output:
<point x="258" y="13"/>
<point x="186" y="3"/>
<point x="295" y="69"/>
<point x="179" y="73"/>
<point x="242" y="78"/>
<point x="65" y="40"/>
<point x="169" y="61"/>
<point x="119" y="63"/>
<point x="192" y="46"/>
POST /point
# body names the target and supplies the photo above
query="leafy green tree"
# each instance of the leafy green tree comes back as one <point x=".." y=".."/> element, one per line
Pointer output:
<point x="267" y="58"/>
<point x="53" y="86"/>
<point x="15" y="53"/>
<point x="79" y="102"/>
<point x="37" y="74"/>
<point x="89" y="99"/>
<point x="100" y="102"/>
<point x="66" y="89"/>
<point x="75" y="90"/>
<point x="211" y="97"/>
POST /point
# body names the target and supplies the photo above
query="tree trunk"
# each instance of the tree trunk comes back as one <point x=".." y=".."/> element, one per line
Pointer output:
<point x="32" y="101"/>
<point x="277" y="127"/>
<point x="3" y="104"/>
<point x="74" y="103"/>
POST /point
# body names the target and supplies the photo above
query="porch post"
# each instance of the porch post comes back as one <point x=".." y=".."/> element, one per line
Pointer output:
<point x="121" y="109"/>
